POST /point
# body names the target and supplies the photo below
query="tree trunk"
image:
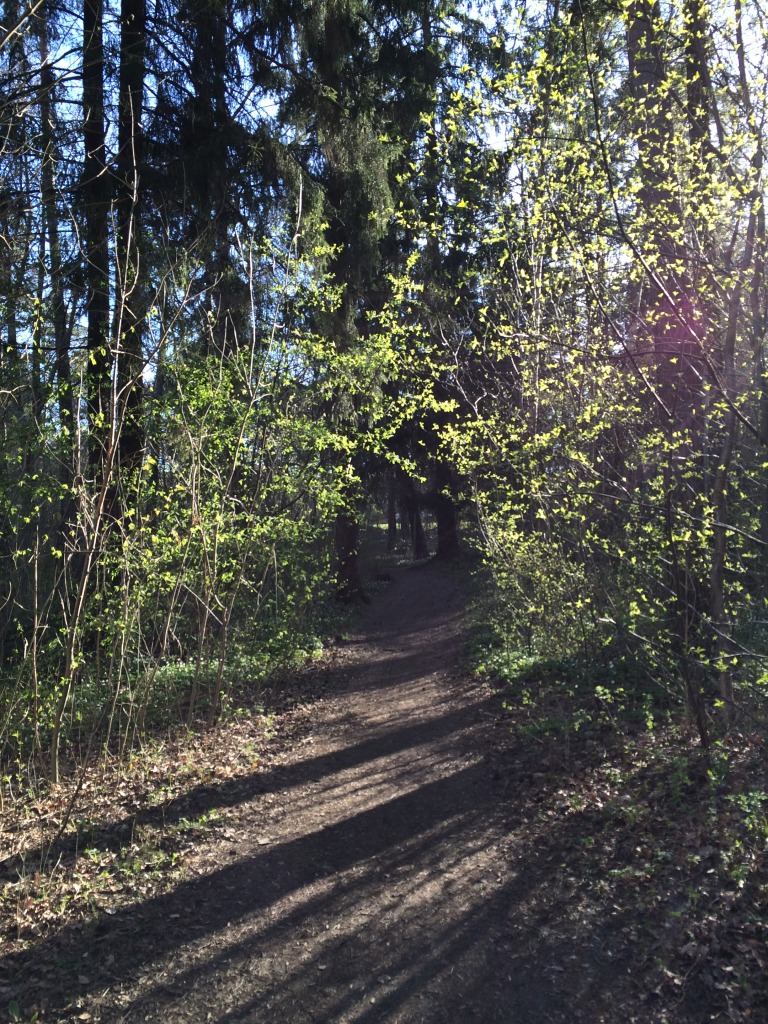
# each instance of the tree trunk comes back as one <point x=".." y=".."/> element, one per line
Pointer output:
<point x="392" y="511"/>
<point x="95" y="194"/>
<point x="673" y="321"/>
<point x="347" y="540"/>
<point x="417" y="537"/>
<point x="62" y="329"/>
<point x="670" y="310"/>
<point x="751" y="277"/>
<point x="445" y="513"/>
<point x="129" y="306"/>
<point x="405" y="523"/>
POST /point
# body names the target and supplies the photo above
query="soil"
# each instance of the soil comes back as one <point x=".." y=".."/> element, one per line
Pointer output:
<point x="392" y="864"/>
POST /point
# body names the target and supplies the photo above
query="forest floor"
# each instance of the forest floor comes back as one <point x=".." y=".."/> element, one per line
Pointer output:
<point x="391" y="847"/>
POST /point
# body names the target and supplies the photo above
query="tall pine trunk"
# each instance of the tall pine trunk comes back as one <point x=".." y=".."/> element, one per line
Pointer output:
<point x="129" y="305"/>
<point x="95" y="203"/>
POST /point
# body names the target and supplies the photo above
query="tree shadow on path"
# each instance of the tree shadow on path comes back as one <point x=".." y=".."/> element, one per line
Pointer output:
<point x="397" y="883"/>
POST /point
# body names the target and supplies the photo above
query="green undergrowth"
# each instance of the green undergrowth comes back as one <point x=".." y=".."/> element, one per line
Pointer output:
<point x="151" y="697"/>
<point x="669" y="838"/>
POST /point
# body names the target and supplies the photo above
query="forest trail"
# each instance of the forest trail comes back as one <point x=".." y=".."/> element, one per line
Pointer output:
<point x="385" y="870"/>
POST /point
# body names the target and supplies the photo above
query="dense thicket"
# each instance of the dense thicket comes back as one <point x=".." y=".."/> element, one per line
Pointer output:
<point x="266" y="265"/>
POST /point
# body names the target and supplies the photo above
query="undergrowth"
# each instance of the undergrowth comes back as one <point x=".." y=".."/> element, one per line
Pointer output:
<point x="158" y="698"/>
<point x="673" y="836"/>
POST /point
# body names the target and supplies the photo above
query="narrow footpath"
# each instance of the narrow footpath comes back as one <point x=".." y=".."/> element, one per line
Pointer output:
<point x="386" y="870"/>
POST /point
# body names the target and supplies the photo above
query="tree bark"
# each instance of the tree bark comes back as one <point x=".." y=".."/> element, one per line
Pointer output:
<point x="95" y="196"/>
<point x="673" y="321"/>
<point x="445" y="513"/>
<point x="347" y="540"/>
<point x="417" y="536"/>
<point x="62" y="329"/>
<point x="129" y="305"/>
<point x="391" y="511"/>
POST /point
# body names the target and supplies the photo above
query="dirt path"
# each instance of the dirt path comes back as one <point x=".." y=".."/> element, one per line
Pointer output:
<point x="390" y="869"/>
